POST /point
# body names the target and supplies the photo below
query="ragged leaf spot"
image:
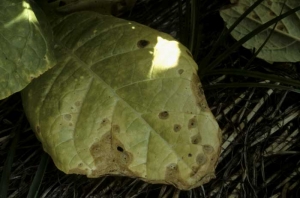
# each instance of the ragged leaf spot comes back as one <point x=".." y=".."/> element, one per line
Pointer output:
<point x="163" y="115"/>
<point x="196" y="139"/>
<point x="192" y="123"/>
<point x="142" y="43"/>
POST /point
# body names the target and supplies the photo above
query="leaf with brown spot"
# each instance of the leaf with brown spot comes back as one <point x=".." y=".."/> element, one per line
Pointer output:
<point x="133" y="113"/>
<point x="284" y="43"/>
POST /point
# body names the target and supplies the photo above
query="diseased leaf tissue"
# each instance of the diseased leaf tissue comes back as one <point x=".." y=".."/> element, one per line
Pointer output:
<point x="123" y="99"/>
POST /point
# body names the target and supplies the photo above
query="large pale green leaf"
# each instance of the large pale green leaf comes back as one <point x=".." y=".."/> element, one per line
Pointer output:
<point x="25" y="46"/>
<point x="123" y="99"/>
<point x="284" y="44"/>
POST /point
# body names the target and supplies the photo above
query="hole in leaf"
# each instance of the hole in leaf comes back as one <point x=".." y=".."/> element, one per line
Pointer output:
<point x="120" y="149"/>
<point x="142" y="43"/>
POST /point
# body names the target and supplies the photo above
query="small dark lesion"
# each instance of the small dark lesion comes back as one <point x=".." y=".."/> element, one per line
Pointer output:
<point x="192" y="123"/>
<point x="119" y="148"/>
<point x="196" y="139"/>
<point x="177" y="127"/>
<point x="163" y="115"/>
<point x="142" y="43"/>
<point x="180" y="71"/>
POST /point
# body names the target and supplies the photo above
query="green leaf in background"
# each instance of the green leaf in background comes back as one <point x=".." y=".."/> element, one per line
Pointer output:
<point x="284" y="43"/>
<point x="25" y="46"/>
<point x="124" y="99"/>
<point x="109" y="7"/>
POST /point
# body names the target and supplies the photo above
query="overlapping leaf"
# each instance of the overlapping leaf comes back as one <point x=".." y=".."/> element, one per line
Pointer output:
<point x="123" y="99"/>
<point x="109" y="7"/>
<point x="25" y="46"/>
<point x="284" y="43"/>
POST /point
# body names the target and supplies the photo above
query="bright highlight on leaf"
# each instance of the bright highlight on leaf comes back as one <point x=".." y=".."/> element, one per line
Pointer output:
<point x="166" y="54"/>
<point x="99" y="112"/>
<point x="284" y="43"/>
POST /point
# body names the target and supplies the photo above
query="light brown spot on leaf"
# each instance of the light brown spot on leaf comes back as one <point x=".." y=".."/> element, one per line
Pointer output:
<point x="201" y="159"/>
<point x="115" y="128"/>
<point x="163" y="115"/>
<point x="77" y="171"/>
<point x="68" y="117"/>
<point x="192" y="123"/>
<point x="208" y="149"/>
<point x="255" y="16"/>
<point x="177" y="127"/>
<point x="180" y="71"/>
<point x="198" y="93"/>
<point x="272" y="14"/>
<point x="77" y="103"/>
<point x="196" y="139"/>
